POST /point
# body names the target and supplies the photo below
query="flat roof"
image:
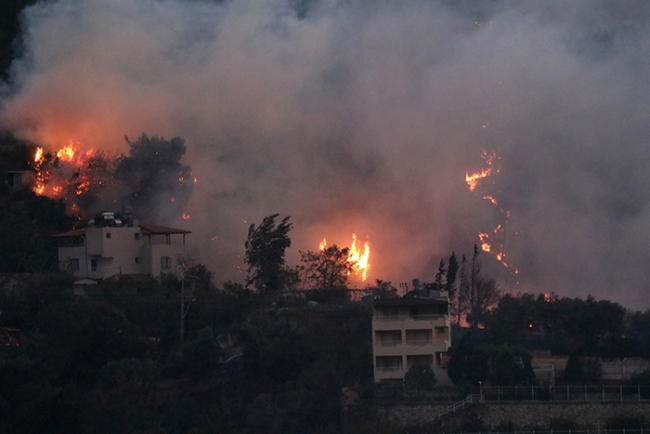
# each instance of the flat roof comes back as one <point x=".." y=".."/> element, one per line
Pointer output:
<point x="146" y="227"/>
<point x="419" y="301"/>
<point x="156" y="229"/>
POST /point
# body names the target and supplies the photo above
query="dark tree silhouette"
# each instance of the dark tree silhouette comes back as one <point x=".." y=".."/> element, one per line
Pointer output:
<point x="265" y="248"/>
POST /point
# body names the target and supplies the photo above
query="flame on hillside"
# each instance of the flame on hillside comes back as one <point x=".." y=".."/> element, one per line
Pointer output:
<point x="358" y="257"/>
<point x="492" y="242"/>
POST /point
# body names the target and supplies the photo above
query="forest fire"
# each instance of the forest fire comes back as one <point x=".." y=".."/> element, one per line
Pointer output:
<point x="357" y="256"/>
<point x="53" y="172"/>
<point x="492" y="242"/>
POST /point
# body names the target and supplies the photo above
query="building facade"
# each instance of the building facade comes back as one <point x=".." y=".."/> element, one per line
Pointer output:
<point x="111" y="247"/>
<point x="410" y="330"/>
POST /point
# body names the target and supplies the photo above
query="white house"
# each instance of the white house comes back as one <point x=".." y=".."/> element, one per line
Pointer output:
<point x="110" y="247"/>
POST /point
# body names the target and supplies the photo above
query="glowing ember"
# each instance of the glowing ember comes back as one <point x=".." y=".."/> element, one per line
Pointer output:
<point x="185" y="216"/>
<point x="473" y="179"/>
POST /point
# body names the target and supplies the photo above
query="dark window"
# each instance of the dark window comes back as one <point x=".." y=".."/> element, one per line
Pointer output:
<point x="108" y="234"/>
<point x="93" y="265"/>
<point x="136" y="235"/>
<point x="73" y="264"/>
<point x="165" y="262"/>
<point x="137" y="259"/>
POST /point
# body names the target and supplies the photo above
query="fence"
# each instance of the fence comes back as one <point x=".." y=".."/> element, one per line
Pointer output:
<point x="585" y="393"/>
<point x="591" y="393"/>
<point x="600" y="429"/>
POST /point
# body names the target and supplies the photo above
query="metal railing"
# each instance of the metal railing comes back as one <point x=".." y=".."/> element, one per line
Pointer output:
<point x="470" y="399"/>
<point x="599" y="429"/>
<point x="589" y="393"/>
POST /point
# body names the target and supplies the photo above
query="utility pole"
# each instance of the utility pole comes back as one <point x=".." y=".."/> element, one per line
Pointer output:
<point x="185" y="308"/>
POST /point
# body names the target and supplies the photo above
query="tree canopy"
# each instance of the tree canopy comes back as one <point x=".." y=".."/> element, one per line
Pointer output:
<point x="265" y="254"/>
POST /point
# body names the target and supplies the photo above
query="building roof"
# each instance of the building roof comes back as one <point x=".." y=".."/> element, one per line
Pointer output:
<point x="155" y="229"/>
<point x="70" y="234"/>
<point x="419" y="301"/>
<point x="146" y="227"/>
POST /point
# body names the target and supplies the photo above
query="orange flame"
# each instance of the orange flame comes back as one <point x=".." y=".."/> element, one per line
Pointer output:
<point x="360" y="258"/>
<point x="66" y="153"/>
<point x="473" y="179"/>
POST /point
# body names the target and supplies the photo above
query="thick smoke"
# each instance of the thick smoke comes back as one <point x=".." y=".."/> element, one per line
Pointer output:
<point x="363" y="116"/>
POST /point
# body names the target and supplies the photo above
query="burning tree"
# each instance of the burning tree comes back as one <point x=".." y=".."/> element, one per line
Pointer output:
<point x="329" y="268"/>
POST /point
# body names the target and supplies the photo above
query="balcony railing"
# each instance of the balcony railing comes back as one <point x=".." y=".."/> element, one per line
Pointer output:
<point x="389" y="368"/>
<point x="390" y="343"/>
<point x="421" y="317"/>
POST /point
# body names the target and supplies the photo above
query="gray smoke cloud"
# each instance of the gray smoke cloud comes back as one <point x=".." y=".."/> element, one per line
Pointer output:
<point x="363" y="117"/>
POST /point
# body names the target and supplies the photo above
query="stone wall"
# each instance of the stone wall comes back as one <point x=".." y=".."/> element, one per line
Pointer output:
<point x="520" y="413"/>
<point x="542" y="414"/>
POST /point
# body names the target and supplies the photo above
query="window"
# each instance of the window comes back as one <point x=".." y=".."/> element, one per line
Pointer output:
<point x="108" y="234"/>
<point x="137" y="259"/>
<point x="418" y="336"/>
<point x="441" y="333"/>
<point x="390" y="313"/>
<point x="387" y="338"/>
<point x="136" y="236"/>
<point x="165" y="262"/>
<point x="423" y="359"/>
<point x="73" y="264"/>
<point x="389" y="363"/>
<point x="93" y="265"/>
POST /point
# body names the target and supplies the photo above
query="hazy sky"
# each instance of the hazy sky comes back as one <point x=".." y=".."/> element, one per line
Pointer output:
<point x="364" y="116"/>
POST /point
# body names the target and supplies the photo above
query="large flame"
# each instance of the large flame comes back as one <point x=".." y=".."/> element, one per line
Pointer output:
<point x="55" y="180"/>
<point x="360" y="258"/>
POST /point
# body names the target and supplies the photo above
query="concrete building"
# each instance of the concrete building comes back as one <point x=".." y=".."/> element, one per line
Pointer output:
<point x="110" y="247"/>
<point x="411" y="330"/>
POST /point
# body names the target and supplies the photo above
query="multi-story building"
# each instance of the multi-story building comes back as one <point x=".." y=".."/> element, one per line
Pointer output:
<point x="411" y="330"/>
<point x="110" y="247"/>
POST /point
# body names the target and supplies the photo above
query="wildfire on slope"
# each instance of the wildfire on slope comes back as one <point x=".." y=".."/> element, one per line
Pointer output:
<point x="360" y="258"/>
<point x="61" y="172"/>
<point x="492" y="242"/>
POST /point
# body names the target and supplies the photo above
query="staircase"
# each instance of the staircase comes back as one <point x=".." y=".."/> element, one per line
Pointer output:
<point x="469" y="400"/>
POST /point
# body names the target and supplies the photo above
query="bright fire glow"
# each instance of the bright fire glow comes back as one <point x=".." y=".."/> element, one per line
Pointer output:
<point x="359" y="257"/>
<point x="66" y="153"/>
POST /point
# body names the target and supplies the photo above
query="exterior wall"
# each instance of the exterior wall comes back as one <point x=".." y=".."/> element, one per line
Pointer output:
<point x="156" y="253"/>
<point x="401" y="338"/>
<point x="69" y="254"/>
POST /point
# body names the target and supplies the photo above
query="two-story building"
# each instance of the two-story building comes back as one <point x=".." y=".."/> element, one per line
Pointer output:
<point x="110" y="247"/>
<point x="411" y="330"/>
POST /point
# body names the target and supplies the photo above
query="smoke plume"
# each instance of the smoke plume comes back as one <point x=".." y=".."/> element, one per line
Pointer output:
<point x="364" y="116"/>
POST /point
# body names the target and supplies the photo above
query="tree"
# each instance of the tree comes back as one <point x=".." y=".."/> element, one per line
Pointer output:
<point x="154" y="172"/>
<point x="420" y="377"/>
<point x="327" y="269"/>
<point x="452" y="271"/>
<point x="486" y="295"/>
<point x="440" y="275"/>
<point x="463" y="291"/>
<point x="265" y="248"/>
